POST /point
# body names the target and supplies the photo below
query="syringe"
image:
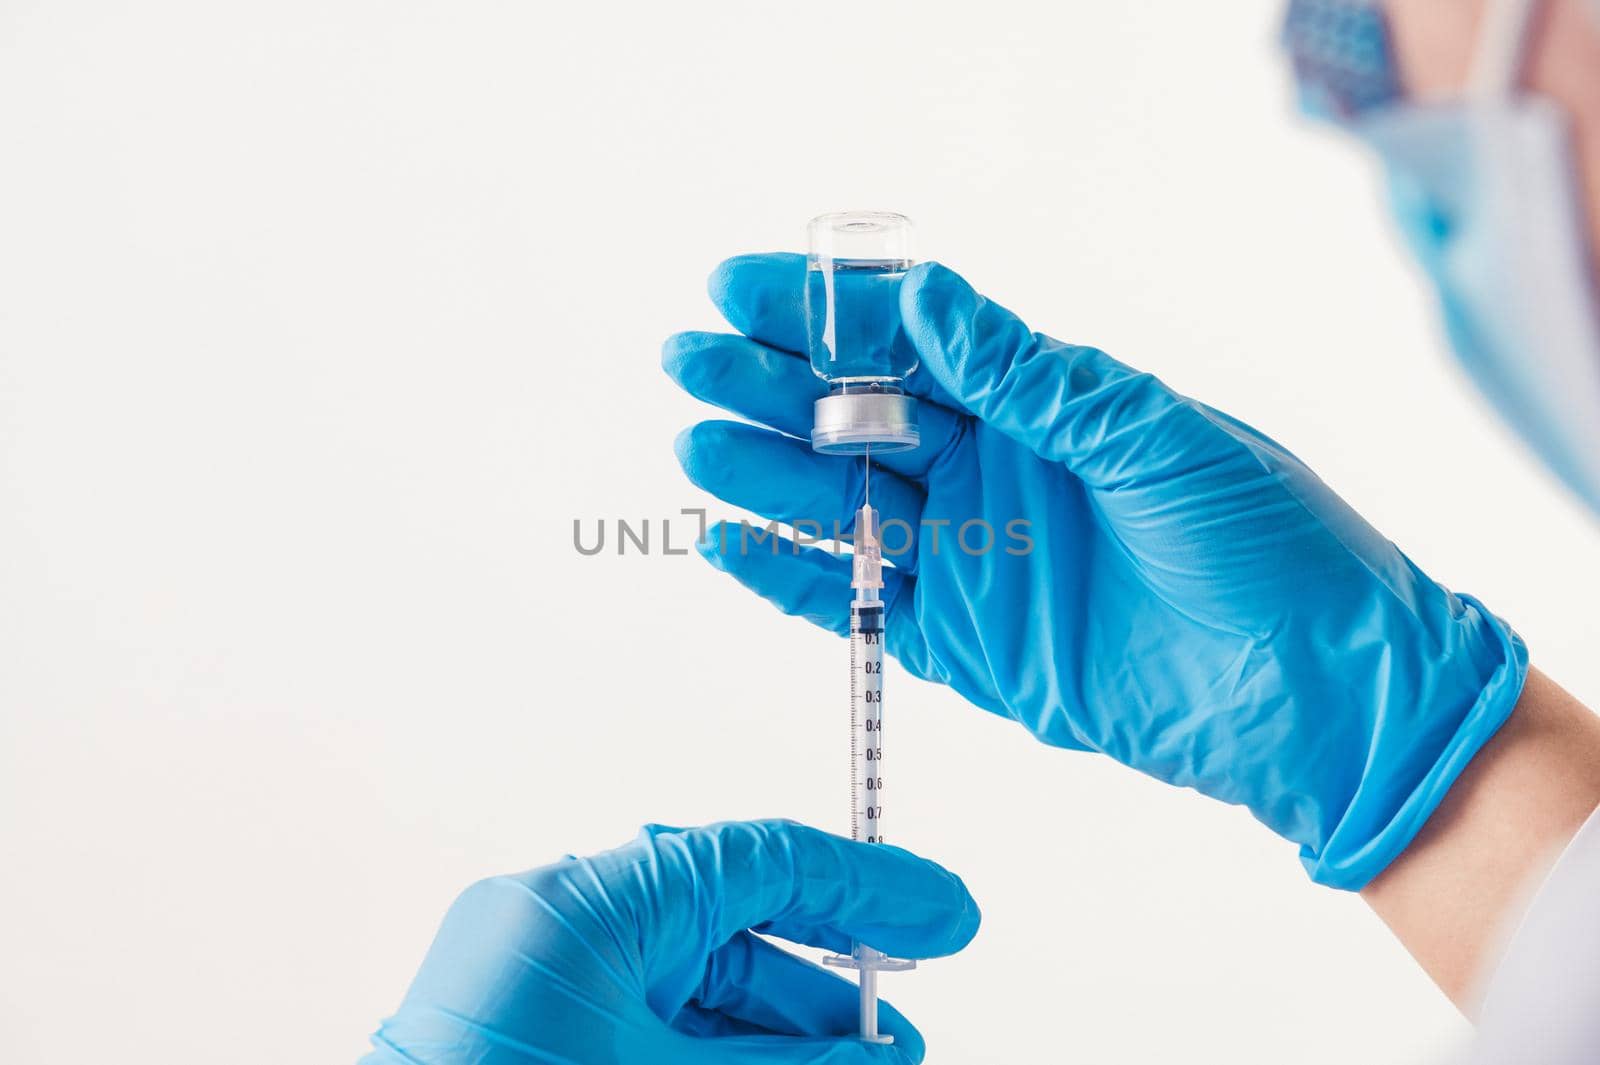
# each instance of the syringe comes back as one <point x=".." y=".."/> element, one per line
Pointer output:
<point x="866" y="744"/>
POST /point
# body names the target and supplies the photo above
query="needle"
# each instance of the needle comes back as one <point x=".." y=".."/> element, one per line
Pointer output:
<point x="866" y="475"/>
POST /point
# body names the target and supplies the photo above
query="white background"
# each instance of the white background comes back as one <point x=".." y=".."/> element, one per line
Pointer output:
<point x="320" y="322"/>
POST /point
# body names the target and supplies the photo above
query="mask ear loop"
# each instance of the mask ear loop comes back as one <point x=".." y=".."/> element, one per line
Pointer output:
<point x="1497" y="65"/>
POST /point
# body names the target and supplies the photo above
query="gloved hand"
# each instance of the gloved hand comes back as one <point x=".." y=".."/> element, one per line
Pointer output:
<point x="645" y="954"/>
<point x="1194" y="603"/>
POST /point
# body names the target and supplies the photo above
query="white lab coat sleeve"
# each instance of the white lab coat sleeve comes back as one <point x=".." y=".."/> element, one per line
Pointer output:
<point x="1542" y="1004"/>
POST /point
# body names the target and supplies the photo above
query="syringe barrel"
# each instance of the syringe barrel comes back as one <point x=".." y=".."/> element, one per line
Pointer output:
<point x="866" y="721"/>
<point x="867" y="636"/>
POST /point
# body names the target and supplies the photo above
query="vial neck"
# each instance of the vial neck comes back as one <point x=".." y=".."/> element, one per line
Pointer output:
<point x="883" y="386"/>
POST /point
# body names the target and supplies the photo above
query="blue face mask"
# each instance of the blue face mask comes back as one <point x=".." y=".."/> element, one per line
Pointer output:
<point x="1486" y="192"/>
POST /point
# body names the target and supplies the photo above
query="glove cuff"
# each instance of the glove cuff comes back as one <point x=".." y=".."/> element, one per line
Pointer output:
<point x="1385" y="814"/>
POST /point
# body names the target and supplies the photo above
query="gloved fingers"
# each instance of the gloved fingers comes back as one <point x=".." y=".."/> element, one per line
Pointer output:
<point x="743" y="874"/>
<point x="1108" y="423"/>
<point x="754" y="983"/>
<point x="705" y="1023"/>
<point x="804" y="582"/>
<point x="783" y="479"/>
<point x="778" y="389"/>
<point x="712" y="1038"/>
<point x="794" y="1050"/>
<point x="813" y="583"/>
<point x="763" y="296"/>
<point x="741" y="375"/>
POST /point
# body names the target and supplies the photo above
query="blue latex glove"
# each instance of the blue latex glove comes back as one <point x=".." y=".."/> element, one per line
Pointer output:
<point x="1195" y="604"/>
<point x="643" y="955"/>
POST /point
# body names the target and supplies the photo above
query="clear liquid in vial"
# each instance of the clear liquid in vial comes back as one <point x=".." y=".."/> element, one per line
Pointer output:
<point x="853" y="321"/>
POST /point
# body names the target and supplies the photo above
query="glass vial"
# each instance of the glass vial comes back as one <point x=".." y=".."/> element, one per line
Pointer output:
<point x="855" y="261"/>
